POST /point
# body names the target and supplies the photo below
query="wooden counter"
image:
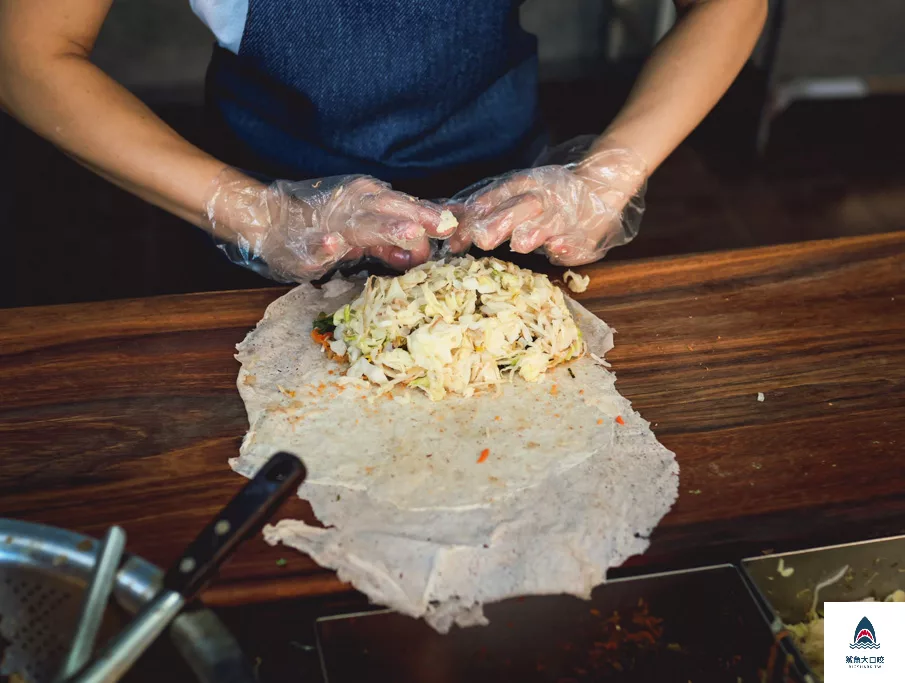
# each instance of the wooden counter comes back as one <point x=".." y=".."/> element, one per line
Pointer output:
<point x="126" y="411"/>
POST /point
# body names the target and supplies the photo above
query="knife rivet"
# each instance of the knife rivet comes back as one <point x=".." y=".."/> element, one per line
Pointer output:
<point x="187" y="565"/>
<point x="222" y="527"/>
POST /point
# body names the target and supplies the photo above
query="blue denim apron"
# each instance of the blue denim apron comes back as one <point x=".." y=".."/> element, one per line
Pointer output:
<point x="399" y="89"/>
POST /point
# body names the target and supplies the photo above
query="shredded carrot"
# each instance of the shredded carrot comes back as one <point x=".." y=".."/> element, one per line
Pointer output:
<point x="322" y="339"/>
<point x="484" y="455"/>
<point x="554" y="390"/>
<point x="581" y="392"/>
<point x="620" y="420"/>
<point x="600" y="421"/>
<point x="497" y="418"/>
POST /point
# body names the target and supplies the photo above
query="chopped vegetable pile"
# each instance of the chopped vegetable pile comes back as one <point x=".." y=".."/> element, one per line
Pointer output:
<point x="453" y="327"/>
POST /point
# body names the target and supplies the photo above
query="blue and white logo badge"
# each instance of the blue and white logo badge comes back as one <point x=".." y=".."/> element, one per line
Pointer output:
<point x="865" y="636"/>
<point x="864" y="642"/>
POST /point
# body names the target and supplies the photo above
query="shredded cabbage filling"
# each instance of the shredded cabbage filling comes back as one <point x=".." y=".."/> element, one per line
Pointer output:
<point x="453" y="327"/>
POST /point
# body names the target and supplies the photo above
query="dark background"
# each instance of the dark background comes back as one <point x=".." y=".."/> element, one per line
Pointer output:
<point x="828" y="78"/>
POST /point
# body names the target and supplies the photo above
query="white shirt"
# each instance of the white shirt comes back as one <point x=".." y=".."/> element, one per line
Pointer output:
<point x="225" y="18"/>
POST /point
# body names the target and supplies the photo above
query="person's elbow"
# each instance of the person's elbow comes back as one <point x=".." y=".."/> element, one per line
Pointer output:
<point x="27" y="62"/>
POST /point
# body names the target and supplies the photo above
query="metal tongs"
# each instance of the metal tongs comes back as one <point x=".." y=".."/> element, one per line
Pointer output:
<point x="245" y="514"/>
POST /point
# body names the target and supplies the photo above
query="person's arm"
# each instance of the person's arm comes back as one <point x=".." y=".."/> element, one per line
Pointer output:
<point x="48" y="82"/>
<point x="300" y="229"/>
<point x="577" y="213"/>
<point x="685" y="75"/>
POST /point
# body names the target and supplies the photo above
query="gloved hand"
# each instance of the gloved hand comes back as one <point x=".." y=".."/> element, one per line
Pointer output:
<point x="295" y="231"/>
<point x="575" y="212"/>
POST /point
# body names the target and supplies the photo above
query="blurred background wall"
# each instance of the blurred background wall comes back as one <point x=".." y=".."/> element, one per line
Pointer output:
<point x="807" y="144"/>
<point x="157" y="48"/>
<point x="161" y="47"/>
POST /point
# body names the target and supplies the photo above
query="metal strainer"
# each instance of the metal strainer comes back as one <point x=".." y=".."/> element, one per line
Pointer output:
<point x="44" y="572"/>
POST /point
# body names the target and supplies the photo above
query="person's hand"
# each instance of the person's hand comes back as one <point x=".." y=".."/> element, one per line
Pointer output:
<point x="575" y="213"/>
<point x="302" y="230"/>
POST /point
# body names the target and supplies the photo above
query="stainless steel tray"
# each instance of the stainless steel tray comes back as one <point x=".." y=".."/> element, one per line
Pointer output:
<point x="877" y="568"/>
<point x="869" y="569"/>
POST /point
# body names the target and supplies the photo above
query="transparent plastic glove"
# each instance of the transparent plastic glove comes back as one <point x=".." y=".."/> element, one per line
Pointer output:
<point x="296" y="231"/>
<point x="574" y="212"/>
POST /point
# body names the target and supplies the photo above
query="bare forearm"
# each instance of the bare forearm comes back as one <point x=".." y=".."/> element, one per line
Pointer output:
<point x="685" y="76"/>
<point x="72" y="103"/>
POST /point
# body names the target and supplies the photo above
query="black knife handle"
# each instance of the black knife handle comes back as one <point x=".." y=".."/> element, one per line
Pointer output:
<point x="243" y="517"/>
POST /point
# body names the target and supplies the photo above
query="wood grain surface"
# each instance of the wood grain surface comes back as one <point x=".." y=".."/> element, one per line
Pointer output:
<point x="126" y="411"/>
